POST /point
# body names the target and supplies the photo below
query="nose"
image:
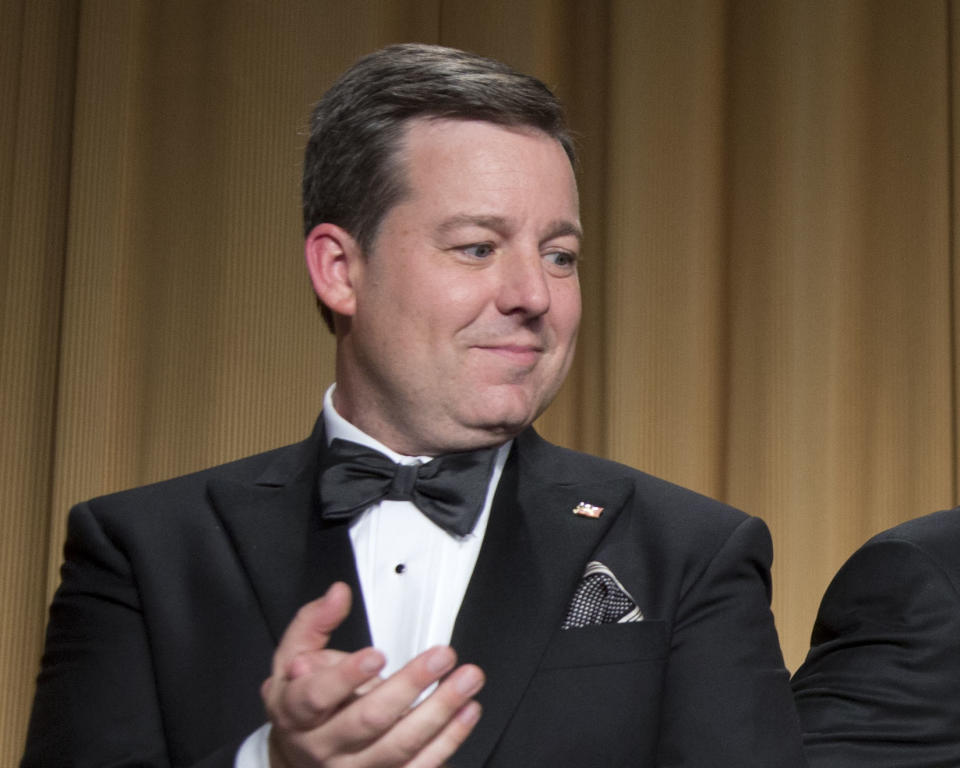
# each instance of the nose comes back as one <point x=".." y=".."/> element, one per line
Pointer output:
<point x="524" y="288"/>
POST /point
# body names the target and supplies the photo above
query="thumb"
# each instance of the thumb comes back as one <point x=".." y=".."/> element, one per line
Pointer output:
<point x="311" y="628"/>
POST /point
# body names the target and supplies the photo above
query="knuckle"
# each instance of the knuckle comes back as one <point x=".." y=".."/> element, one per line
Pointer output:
<point x="409" y="746"/>
<point x="315" y="703"/>
<point x="280" y="719"/>
<point x="298" y="708"/>
<point x="403" y="750"/>
<point x="375" y="720"/>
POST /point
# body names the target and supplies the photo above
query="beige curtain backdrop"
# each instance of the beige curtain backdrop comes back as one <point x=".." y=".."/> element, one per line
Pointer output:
<point x="770" y="278"/>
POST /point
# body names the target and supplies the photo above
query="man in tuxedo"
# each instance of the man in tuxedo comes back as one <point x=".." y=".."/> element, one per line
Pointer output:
<point x="423" y="580"/>
<point x="879" y="687"/>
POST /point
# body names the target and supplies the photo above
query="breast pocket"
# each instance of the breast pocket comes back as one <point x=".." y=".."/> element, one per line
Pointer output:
<point x="594" y="699"/>
<point x="607" y="644"/>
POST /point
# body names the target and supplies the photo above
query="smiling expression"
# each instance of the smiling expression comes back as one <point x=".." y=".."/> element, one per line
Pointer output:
<point x="465" y="309"/>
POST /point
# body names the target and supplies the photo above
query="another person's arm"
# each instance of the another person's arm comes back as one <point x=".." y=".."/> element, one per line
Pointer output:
<point x="879" y="687"/>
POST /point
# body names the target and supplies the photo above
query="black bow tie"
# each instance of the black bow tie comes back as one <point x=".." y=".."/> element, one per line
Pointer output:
<point x="449" y="490"/>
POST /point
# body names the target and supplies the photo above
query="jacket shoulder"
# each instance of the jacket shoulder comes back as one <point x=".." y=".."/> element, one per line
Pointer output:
<point x="661" y="502"/>
<point x="270" y="467"/>
<point x="935" y="529"/>
<point x="932" y="539"/>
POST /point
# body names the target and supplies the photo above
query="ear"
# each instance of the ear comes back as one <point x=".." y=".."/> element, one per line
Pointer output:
<point x="330" y="252"/>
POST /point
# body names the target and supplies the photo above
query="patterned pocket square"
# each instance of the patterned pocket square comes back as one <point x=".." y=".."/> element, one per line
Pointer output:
<point x="600" y="599"/>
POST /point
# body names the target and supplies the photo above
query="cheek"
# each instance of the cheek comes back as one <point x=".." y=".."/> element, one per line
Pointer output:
<point x="460" y="307"/>
<point x="566" y="311"/>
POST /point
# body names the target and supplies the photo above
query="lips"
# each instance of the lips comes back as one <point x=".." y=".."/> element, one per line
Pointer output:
<point x="524" y="355"/>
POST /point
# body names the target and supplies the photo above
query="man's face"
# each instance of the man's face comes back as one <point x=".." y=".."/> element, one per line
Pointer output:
<point x="468" y="303"/>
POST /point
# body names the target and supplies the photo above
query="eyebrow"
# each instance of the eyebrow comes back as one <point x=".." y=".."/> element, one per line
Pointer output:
<point x="557" y="228"/>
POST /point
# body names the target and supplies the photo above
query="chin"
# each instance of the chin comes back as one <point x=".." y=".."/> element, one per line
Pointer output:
<point x="503" y="426"/>
<point x="503" y="413"/>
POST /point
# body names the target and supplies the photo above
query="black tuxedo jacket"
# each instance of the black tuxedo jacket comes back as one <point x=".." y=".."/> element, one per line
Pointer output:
<point x="175" y="595"/>
<point x="881" y="684"/>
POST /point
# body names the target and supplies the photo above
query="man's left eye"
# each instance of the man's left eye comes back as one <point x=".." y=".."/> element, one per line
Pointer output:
<point x="479" y="250"/>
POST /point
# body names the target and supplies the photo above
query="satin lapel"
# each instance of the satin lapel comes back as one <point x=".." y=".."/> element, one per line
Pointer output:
<point x="532" y="557"/>
<point x="290" y="557"/>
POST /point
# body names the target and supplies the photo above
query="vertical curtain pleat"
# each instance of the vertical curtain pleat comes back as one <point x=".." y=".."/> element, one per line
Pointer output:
<point x="840" y="406"/>
<point x="37" y="53"/>
<point x="952" y="13"/>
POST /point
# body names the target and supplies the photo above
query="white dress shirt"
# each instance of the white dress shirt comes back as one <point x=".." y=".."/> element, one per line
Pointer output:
<point x="412" y="572"/>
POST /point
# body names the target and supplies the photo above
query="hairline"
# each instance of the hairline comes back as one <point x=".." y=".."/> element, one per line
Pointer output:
<point x="398" y="165"/>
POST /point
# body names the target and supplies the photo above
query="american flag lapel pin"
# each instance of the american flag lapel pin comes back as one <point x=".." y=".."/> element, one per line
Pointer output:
<point x="587" y="510"/>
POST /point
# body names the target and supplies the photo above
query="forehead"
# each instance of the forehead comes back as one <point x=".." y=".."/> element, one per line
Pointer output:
<point x="476" y="163"/>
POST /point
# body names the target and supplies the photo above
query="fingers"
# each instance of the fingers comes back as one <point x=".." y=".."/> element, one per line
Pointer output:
<point x="446" y="743"/>
<point x="433" y="731"/>
<point x="372" y="715"/>
<point x="311" y="628"/>
<point x="330" y="708"/>
<point x="310" y="682"/>
<point x="381" y="729"/>
<point x="312" y="698"/>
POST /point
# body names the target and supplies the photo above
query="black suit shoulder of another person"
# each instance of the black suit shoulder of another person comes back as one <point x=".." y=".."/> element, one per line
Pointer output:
<point x="879" y="687"/>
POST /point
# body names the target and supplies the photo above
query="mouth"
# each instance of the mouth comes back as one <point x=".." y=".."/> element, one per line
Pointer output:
<point x="522" y="355"/>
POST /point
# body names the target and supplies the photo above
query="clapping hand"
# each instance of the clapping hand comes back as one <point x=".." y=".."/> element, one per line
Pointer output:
<point x="330" y="709"/>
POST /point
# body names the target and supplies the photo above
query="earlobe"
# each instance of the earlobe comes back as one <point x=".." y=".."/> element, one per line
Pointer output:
<point x="329" y="251"/>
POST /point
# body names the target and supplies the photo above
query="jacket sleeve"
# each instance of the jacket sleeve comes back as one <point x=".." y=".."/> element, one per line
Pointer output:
<point x="879" y="685"/>
<point x="727" y="697"/>
<point x="96" y="702"/>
